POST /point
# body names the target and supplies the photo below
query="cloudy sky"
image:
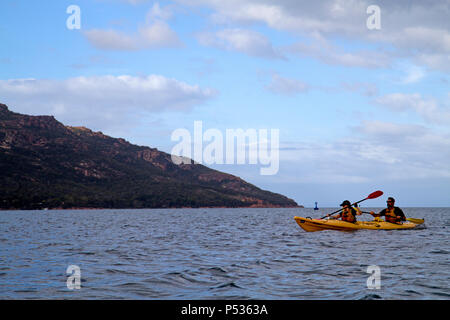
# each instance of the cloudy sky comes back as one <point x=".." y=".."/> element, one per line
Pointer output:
<point x="358" y="109"/>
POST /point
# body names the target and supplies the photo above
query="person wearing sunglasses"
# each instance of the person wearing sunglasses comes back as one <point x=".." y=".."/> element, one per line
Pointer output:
<point x="392" y="213"/>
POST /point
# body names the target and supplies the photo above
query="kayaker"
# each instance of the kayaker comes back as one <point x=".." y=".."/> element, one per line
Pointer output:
<point x="392" y="213"/>
<point x="348" y="213"/>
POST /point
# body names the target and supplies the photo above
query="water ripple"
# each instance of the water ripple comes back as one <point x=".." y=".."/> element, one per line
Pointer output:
<point x="216" y="254"/>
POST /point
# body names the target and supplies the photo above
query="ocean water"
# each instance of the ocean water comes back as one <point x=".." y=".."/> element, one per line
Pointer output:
<point x="217" y="254"/>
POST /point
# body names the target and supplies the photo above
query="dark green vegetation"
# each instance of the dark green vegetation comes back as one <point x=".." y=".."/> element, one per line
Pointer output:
<point x="44" y="164"/>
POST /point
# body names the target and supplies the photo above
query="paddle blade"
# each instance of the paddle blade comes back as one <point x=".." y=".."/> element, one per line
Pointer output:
<point x="416" y="221"/>
<point x="375" y="194"/>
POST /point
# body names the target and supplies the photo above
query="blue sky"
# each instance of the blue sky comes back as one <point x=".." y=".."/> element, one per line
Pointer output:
<point x="357" y="109"/>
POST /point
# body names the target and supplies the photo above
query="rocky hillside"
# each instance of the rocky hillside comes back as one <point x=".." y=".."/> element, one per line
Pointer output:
<point x="44" y="164"/>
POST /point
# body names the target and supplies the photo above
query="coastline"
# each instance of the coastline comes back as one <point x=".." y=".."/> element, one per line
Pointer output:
<point x="89" y="208"/>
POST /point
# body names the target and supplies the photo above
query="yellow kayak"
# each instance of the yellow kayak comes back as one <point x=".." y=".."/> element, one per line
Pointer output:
<point x="311" y="225"/>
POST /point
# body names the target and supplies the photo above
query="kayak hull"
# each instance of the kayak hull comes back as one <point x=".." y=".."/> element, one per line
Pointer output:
<point x="312" y="225"/>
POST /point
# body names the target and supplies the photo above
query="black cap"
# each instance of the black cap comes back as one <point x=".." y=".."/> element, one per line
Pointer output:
<point x="392" y="199"/>
<point x="346" y="202"/>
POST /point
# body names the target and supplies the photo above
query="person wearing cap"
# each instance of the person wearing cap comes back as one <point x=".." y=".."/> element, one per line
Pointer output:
<point x="348" y="213"/>
<point x="392" y="213"/>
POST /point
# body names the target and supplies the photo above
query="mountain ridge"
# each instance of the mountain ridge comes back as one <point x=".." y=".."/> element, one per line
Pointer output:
<point x="45" y="164"/>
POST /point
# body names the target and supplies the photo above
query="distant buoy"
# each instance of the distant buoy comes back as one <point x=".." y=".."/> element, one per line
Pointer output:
<point x="315" y="208"/>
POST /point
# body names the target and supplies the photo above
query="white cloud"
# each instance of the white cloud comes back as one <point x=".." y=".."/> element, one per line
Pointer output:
<point x="101" y="102"/>
<point x="413" y="74"/>
<point x="427" y="39"/>
<point x="417" y="150"/>
<point x="286" y="86"/>
<point x="245" y="41"/>
<point x="111" y="40"/>
<point x="156" y="35"/>
<point x="417" y="30"/>
<point x="375" y="152"/>
<point x="426" y="21"/>
<point x="390" y="132"/>
<point x="158" y="13"/>
<point x="322" y="49"/>
<point x="428" y="108"/>
<point x="427" y="46"/>
<point x="366" y="88"/>
<point x="290" y="86"/>
<point x="297" y="16"/>
<point x="434" y="61"/>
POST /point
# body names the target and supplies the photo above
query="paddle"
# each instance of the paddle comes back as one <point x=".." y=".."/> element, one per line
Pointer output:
<point x="413" y="220"/>
<point x="373" y="195"/>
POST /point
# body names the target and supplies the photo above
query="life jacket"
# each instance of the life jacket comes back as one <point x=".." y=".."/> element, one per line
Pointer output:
<point x="348" y="215"/>
<point x="390" y="215"/>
